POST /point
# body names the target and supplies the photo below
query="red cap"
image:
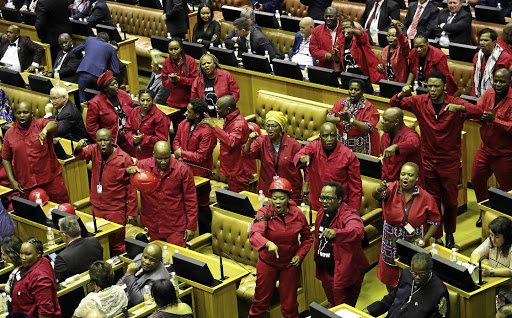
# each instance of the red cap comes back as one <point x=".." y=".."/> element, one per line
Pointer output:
<point x="144" y="181"/>
<point x="66" y="207"/>
<point x="281" y="184"/>
<point x="104" y="79"/>
<point x="42" y="195"/>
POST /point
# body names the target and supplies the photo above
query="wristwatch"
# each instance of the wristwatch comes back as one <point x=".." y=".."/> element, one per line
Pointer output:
<point x="491" y="273"/>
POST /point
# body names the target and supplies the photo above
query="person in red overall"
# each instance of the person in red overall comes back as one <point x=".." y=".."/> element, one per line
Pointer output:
<point x="424" y="59"/>
<point x="323" y="39"/>
<point x="233" y="137"/>
<point x="28" y="156"/>
<point x="506" y="38"/>
<point x="340" y="260"/>
<point x="275" y="235"/>
<point x="409" y="213"/>
<point x="170" y="211"/>
<point x="495" y="152"/>
<point x="275" y="152"/>
<point x="178" y="73"/>
<point x="328" y="160"/>
<point x="356" y="119"/>
<point x="441" y="119"/>
<point x="394" y="56"/>
<point x="146" y="125"/>
<point x="112" y="197"/>
<point x="194" y="144"/>
<point x="400" y="144"/>
<point x="110" y="109"/>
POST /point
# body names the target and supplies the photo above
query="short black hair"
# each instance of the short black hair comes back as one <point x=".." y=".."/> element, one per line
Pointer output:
<point x="37" y="244"/>
<point x="358" y="81"/>
<point x="103" y="36"/>
<point x="348" y="20"/>
<point x="437" y="74"/>
<point x="164" y="293"/>
<point x="503" y="226"/>
<point x="340" y="193"/>
<point x="493" y="34"/>
<point x="424" y="258"/>
<point x="199" y="106"/>
<point x="102" y="274"/>
<point x="421" y="35"/>
<point x="147" y="91"/>
<point x="11" y="246"/>
<point x="200" y="21"/>
<point x="242" y="23"/>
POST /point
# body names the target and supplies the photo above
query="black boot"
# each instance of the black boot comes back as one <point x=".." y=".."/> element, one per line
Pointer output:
<point x="450" y="241"/>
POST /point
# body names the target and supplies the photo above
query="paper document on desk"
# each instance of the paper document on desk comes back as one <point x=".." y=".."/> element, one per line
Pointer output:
<point x="345" y="313"/>
<point x="99" y="223"/>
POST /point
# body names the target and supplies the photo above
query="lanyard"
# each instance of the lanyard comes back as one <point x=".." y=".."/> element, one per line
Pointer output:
<point x="190" y="133"/>
<point x="276" y="163"/>
<point x="226" y="123"/>
<point x="101" y="169"/>
<point x="406" y="212"/>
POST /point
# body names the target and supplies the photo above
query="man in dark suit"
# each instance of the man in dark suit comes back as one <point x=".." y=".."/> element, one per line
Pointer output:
<point x="251" y="39"/>
<point x="155" y="81"/>
<point x="52" y="19"/>
<point x="418" y="17"/>
<point x="376" y="16"/>
<point x="80" y="252"/>
<point x="66" y="63"/>
<point x="19" y="51"/>
<point x="97" y="13"/>
<point x="21" y="5"/>
<point x="176" y="17"/>
<point x="453" y="24"/>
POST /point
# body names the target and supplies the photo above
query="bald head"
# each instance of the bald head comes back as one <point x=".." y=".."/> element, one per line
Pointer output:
<point x="153" y="250"/>
<point x="95" y="313"/>
<point x="103" y="132"/>
<point x="64" y="37"/>
<point x="328" y="136"/>
<point x="162" y="148"/>
<point x="162" y="155"/>
<point x="151" y="257"/>
<point x="392" y="120"/>
<point x="306" y="26"/>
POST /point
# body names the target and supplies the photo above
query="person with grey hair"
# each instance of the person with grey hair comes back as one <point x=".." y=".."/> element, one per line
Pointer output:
<point x="155" y="81"/>
<point x="80" y="252"/>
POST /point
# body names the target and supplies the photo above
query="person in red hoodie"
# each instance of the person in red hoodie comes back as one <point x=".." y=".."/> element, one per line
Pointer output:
<point x="275" y="235"/>
<point x="323" y="39"/>
<point x="340" y="260"/>
<point x="394" y="56"/>
<point x="178" y="73"/>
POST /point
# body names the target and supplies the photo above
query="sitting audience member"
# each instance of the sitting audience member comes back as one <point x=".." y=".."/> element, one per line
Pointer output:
<point x="167" y="301"/>
<point x="394" y="56"/>
<point x="419" y="293"/>
<point x="452" y="25"/>
<point x="5" y="108"/>
<point x="107" y="297"/>
<point x="206" y="30"/>
<point x="377" y="15"/>
<point x="96" y="13"/>
<point x="505" y="312"/>
<point x="155" y="81"/>
<point x="78" y="6"/>
<point x="419" y="15"/>
<point x="144" y="271"/>
<point x="299" y="53"/>
<point x="95" y="313"/>
<point x="19" y="51"/>
<point x="67" y="61"/>
<point x="67" y="114"/>
<point x="506" y="39"/>
<point x="176" y="18"/>
<point x="10" y="248"/>
<point x="487" y="60"/>
<point x="247" y="13"/>
<point x="506" y="6"/>
<point x="251" y="40"/>
<point x="324" y="38"/>
<point x="80" y="252"/>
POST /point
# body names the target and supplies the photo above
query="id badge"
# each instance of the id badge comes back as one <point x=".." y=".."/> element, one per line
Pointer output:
<point x="345" y="136"/>
<point x="276" y="177"/>
<point x="99" y="189"/>
<point x="408" y="227"/>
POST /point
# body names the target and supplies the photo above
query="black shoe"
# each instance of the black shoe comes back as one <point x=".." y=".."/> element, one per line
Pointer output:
<point x="479" y="222"/>
<point x="450" y="241"/>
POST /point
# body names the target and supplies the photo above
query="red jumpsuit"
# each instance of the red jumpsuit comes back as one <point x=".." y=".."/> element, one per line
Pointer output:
<point x="504" y="45"/>
<point x="35" y="165"/>
<point x="398" y="59"/>
<point x="408" y="142"/>
<point x="154" y="126"/>
<point x="504" y="61"/>
<point x="101" y="114"/>
<point x="36" y="293"/>
<point x="232" y="140"/>
<point x="172" y="208"/>
<point x="263" y="149"/>
<point x="495" y="152"/>
<point x="357" y="141"/>
<point x="321" y="43"/>
<point x="342" y="166"/>
<point x="224" y="84"/>
<point x="422" y="214"/>
<point x="435" y="60"/>
<point x="284" y="233"/>
<point x="440" y="150"/>
<point x="118" y="198"/>
<point x="350" y="262"/>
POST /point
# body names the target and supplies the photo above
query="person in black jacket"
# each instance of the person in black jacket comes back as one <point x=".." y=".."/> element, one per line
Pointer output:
<point x="176" y="17"/>
<point x="452" y="25"/>
<point x="427" y="13"/>
<point x="96" y="13"/>
<point x="377" y="14"/>
<point x="66" y="62"/>
<point x="28" y="53"/>
<point x="206" y="30"/>
<point x="52" y="19"/>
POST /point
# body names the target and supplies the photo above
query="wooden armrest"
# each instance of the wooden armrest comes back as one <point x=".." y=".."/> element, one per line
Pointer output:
<point x="372" y="216"/>
<point x="82" y="204"/>
<point x="314" y="137"/>
<point x="469" y="243"/>
<point x="200" y="241"/>
<point x="251" y="118"/>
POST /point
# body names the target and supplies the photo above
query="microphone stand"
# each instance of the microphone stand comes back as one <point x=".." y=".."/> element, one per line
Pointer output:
<point x="239" y="264"/>
<point x="222" y="277"/>
<point x="480" y="281"/>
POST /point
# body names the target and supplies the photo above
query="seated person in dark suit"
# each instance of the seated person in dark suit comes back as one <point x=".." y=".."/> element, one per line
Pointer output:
<point x="251" y="39"/>
<point x="69" y="116"/>
<point x="453" y="24"/>
<point x="419" y="15"/>
<point x="66" y="63"/>
<point x="19" y="51"/>
<point x="155" y="81"/>
<point x="80" y="252"/>
<point x="96" y="13"/>
<point x="247" y="13"/>
<point x="376" y="16"/>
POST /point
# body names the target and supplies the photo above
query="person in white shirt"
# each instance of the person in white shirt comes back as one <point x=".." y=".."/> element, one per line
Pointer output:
<point x="376" y="17"/>
<point x="299" y="52"/>
<point x="19" y="51"/>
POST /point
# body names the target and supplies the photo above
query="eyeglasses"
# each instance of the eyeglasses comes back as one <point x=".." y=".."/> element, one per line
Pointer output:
<point x="420" y="274"/>
<point x="327" y="199"/>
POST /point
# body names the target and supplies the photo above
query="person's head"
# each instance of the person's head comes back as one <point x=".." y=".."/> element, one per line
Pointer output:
<point x="306" y="26"/>
<point x="58" y="96"/>
<point x="103" y="36"/>
<point x="275" y="123"/>
<point x="422" y="1"/>
<point x="505" y="312"/>
<point x="208" y="65"/>
<point x="331" y="17"/>
<point x="242" y="27"/>
<point x="409" y="176"/>
<point x="249" y="14"/>
<point x="331" y="197"/>
<point x="23" y="114"/>
<point x="436" y="85"/>
<point x="392" y="120"/>
<point x="226" y="105"/>
<point x="107" y="84"/>
<point x="157" y="63"/>
<point x="105" y="141"/>
<point x="347" y="26"/>
<point x="162" y="155"/>
<point x="196" y="110"/>
<point x="151" y="257"/>
<point x="65" y="42"/>
<point x="280" y="193"/>
<point x="10" y="248"/>
<point x="328" y="136"/>
<point x="176" y="49"/>
<point x="500" y="233"/>
<point x="101" y="274"/>
<point x="454" y="6"/>
<point x="420" y="44"/>
<point x="501" y="81"/>
<point x="146" y="100"/>
<point x="421" y="268"/>
<point x="204" y="13"/>
<point x="31" y="251"/>
<point x="355" y="90"/>
<point x="391" y="37"/>
<point x="506" y="35"/>
<point x="13" y="32"/>
<point x="69" y="229"/>
<point x="95" y="313"/>
<point x="164" y="293"/>
<point x="487" y="40"/>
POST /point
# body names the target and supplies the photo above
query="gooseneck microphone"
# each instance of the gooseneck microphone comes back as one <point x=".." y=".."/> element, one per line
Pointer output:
<point x="227" y="255"/>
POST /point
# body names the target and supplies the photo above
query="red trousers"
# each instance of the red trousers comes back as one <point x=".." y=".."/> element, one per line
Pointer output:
<point x="484" y="165"/>
<point x="337" y="295"/>
<point x="116" y="241"/>
<point x="56" y="190"/>
<point x="239" y="183"/>
<point x="441" y="180"/>
<point x="266" y="278"/>
<point x="176" y="238"/>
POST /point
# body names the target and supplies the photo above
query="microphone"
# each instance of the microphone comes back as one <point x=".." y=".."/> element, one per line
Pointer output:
<point x="222" y="277"/>
<point x="311" y="224"/>
<point x="238" y="265"/>
<point x="480" y="281"/>
<point x="191" y="164"/>
<point x="94" y="222"/>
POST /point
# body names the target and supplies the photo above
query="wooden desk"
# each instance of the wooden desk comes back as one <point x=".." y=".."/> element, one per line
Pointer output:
<point x="351" y="309"/>
<point x="72" y="88"/>
<point x="475" y="304"/>
<point x="5" y="191"/>
<point x="74" y="173"/>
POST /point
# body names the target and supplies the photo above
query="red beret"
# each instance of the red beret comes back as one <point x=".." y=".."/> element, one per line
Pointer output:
<point x="104" y="79"/>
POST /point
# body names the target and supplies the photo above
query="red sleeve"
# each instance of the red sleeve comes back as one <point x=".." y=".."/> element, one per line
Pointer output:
<point x="191" y="74"/>
<point x="337" y="107"/>
<point x="206" y="146"/>
<point x="194" y="93"/>
<point x="370" y="115"/>
<point x="234" y="89"/>
<point x="403" y="43"/>
<point x="128" y="128"/>
<point x="177" y="139"/>
<point x="433" y="214"/>
<point x="411" y="61"/>
<point x="166" y="71"/>
<point x="161" y="125"/>
<point x="231" y="140"/>
<point x="190" y="198"/>
<point x="315" y="47"/>
<point x="353" y="231"/>
<point x="41" y="288"/>
<point x="306" y="238"/>
<point x="132" y="208"/>
<point x="86" y="153"/>
<point x="406" y="103"/>
<point x="308" y="150"/>
<point x="355" y="186"/>
<point x="92" y="121"/>
<point x="6" y="149"/>
<point x="363" y="39"/>
<point x="472" y="111"/>
<point x="409" y="144"/>
<point x="256" y="237"/>
<point x="255" y="151"/>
